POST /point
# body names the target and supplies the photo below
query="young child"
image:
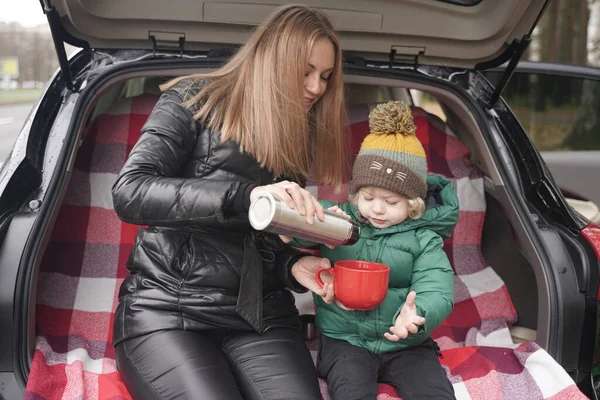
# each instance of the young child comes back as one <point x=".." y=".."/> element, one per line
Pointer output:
<point x="404" y="214"/>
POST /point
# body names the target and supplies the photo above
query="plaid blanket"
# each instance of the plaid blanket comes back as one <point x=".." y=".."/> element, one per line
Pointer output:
<point x="84" y="265"/>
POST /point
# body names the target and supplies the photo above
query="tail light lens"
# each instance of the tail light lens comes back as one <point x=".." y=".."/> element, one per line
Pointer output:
<point x="592" y="234"/>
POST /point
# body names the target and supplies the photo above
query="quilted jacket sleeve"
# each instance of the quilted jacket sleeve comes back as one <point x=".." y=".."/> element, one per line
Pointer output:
<point x="433" y="281"/>
<point x="285" y="261"/>
<point x="148" y="190"/>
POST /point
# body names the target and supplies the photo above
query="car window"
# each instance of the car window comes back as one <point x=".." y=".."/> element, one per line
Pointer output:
<point x="428" y="103"/>
<point x="559" y="113"/>
<point x="364" y="94"/>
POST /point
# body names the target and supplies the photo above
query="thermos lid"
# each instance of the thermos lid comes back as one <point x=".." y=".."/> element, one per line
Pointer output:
<point x="262" y="210"/>
<point x="354" y="235"/>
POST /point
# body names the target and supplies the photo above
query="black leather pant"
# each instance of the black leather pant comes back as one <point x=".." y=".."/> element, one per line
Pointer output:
<point x="218" y="365"/>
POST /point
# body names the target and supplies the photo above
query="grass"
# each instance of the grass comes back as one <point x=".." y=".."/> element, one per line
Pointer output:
<point x="19" y="96"/>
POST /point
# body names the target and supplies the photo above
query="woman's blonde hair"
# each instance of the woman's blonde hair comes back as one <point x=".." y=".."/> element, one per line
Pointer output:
<point x="416" y="206"/>
<point x="257" y="99"/>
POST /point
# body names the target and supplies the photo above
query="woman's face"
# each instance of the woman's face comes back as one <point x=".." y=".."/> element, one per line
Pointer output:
<point x="318" y="71"/>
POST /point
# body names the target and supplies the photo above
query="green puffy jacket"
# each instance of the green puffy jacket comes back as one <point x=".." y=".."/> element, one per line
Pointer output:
<point x="413" y="251"/>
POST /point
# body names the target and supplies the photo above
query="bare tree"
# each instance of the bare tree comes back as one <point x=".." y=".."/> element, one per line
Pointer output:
<point x="587" y="127"/>
<point x="580" y="26"/>
<point x="34" y="49"/>
<point x="594" y="33"/>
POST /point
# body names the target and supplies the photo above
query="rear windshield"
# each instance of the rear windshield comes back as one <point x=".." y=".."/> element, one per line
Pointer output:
<point x="462" y="2"/>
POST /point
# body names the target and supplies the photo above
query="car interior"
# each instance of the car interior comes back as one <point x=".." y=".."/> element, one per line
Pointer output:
<point x="499" y="242"/>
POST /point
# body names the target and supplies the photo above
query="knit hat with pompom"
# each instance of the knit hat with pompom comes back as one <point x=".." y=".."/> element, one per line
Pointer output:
<point x="391" y="156"/>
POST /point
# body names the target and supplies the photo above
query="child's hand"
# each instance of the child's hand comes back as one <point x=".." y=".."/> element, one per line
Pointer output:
<point x="407" y="320"/>
<point x="343" y="307"/>
<point x="338" y="210"/>
<point x="285" y="239"/>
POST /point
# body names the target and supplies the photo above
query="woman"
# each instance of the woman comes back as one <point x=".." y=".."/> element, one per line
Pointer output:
<point x="205" y="312"/>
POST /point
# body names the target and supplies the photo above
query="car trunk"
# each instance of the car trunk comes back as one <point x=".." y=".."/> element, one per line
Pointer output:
<point x="435" y="32"/>
<point x="72" y="303"/>
<point x="88" y="246"/>
<point x="469" y="34"/>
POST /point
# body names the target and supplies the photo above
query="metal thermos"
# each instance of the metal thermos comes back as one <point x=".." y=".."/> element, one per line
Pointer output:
<point x="272" y="215"/>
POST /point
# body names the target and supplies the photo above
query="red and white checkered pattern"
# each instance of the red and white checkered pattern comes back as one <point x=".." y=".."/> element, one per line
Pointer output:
<point x="84" y="265"/>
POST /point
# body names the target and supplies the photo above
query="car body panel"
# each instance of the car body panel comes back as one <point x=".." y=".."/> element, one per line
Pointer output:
<point x="434" y="31"/>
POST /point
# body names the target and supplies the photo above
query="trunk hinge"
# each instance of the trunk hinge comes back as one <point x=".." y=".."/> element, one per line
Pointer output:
<point x="167" y="41"/>
<point x="406" y="55"/>
<point x="59" y="43"/>
<point x="516" y="50"/>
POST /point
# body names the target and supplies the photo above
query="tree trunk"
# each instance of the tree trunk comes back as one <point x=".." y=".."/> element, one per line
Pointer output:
<point x="559" y="91"/>
<point x="581" y="17"/>
<point x="548" y="33"/>
<point x="547" y="50"/>
<point x="565" y="30"/>
<point x="594" y="22"/>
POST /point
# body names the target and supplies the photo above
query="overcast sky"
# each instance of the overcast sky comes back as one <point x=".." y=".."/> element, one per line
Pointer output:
<point x="25" y="12"/>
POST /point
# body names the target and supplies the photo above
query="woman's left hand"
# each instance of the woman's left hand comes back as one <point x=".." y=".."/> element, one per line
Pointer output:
<point x="407" y="321"/>
<point x="304" y="271"/>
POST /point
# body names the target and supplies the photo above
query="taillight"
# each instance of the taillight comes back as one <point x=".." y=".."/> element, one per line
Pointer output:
<point x="592" y="234"/>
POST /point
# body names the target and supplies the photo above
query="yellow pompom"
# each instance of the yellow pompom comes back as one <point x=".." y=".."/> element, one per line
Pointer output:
<point x="391" y="117"/>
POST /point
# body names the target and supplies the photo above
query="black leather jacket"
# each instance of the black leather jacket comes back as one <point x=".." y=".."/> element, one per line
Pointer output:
<point x="197" y="264"/>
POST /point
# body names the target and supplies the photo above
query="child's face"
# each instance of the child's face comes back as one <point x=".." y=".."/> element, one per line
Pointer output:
<point x="381" y="207"/>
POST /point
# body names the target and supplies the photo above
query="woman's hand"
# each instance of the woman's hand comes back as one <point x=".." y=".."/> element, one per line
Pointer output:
<point x="304" y="272"/>
<point x="407" y="320"/>
<point x="294" y="197"/>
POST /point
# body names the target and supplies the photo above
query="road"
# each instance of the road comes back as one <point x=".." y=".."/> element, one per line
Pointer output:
<point x="12" y="118"/>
